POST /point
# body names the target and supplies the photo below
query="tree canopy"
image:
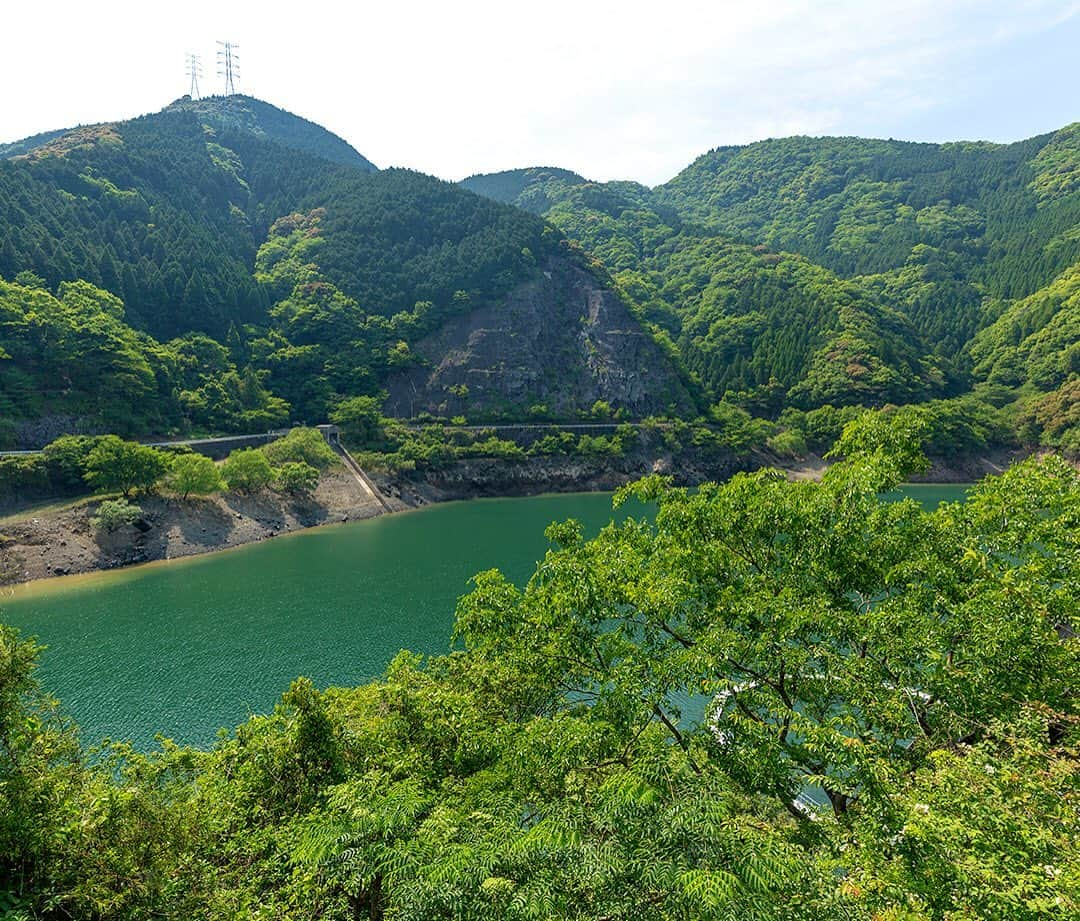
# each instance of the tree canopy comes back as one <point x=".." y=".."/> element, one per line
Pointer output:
<point x="774" y="699"/>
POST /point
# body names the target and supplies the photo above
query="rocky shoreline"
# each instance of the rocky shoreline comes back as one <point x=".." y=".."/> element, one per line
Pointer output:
<point x="62" y="542"/>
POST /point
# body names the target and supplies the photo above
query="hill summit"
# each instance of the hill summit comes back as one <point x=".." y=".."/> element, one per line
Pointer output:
<point x="264" y="120"/>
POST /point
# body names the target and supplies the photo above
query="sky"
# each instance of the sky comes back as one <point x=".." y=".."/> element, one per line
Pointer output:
<point x="613" y="90"/>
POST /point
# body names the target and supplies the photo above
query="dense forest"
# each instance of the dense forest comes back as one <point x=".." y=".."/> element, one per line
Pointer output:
<point x="826" y="271"/>
<point x="775" y="700"/>
<point x="169" y="222"/>
<point x="224" y="266"/>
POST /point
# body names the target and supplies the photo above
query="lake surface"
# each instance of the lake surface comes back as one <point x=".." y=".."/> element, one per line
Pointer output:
<point x="185" y="647"/>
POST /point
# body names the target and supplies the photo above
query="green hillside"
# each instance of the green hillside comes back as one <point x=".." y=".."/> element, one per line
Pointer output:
<point x="245" y="113"/>
<point x="768" y="328"/>
<point x="1031" y="354"/>
<point x="226" y="256"/>
<point x="785" y="275"/>
<point x="861" y="207"/>
<point x="809" y="271"/>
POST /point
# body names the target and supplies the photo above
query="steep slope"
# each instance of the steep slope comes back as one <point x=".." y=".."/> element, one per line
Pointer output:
<point x="560" y="342"/>
<point x="762" y="327"/>
<point x="243" y="280"/>
<point x="168" y="212"/>
<point x="1032" y="353"/>
<point x="928" y="242"/>
<point x="1007" y="212"/>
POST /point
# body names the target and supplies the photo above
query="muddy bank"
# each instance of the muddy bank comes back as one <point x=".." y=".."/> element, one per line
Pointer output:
<point x="63" y="542"/>
<point x="964" y="468"/>
<point x="490" y="477"/>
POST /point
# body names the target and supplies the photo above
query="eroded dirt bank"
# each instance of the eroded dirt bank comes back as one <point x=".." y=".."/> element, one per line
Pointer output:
<point x="63" y="542"/>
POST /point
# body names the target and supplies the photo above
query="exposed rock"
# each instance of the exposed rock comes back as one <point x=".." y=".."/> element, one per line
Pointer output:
<point x="62" y="542"/>
<point x="562" y="340"/>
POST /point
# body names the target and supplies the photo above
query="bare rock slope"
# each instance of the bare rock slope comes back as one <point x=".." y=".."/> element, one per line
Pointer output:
<point x="562" y="341"/>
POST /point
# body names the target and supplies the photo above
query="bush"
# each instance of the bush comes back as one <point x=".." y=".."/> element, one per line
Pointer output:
<point x="790" y="444"/>
<point x="301" y="445"/>
<point x="495" y="447"/>
<point x="825" y="424"/>
<point x="194" y="474"/>
<point x="296" y="477"/>
<point x="115" y="464"/>
<point x="556" y="443"/>
<point x="599" y="446"/>
<point x="601" y="409"/>
<point x="22" y="476"/>
<point x="738" y="429"/>
<point x="247" y="470"/>
<point x="113" y="514"/>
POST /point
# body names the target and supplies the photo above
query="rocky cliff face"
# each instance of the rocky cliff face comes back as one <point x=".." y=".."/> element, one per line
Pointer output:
<point x="485" y="476"/>
<point x="562" y="341"/>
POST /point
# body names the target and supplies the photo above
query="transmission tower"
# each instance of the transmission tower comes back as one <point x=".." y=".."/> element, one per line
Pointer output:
<point x="194" y="70"/>
<point x="228" y="62"/>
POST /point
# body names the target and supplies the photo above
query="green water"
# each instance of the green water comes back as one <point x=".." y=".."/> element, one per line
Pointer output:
<point x="185" y="647"/>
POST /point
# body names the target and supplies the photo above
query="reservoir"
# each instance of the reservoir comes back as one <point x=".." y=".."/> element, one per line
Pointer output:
<point x="183" y="648"/>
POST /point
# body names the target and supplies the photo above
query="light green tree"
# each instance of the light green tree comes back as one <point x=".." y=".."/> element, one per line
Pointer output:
<point x="361" y="421"/>
<point x="247" y="470"/>
<point x="296" y="477"/>
<point x="194" y="474"/>
<point x="115" y="464"/>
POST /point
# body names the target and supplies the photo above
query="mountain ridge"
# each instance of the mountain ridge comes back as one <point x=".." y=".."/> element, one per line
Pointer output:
<point x="789" y="274"/>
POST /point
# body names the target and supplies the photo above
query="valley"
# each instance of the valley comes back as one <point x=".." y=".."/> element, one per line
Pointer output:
<point x="697" y="551"/>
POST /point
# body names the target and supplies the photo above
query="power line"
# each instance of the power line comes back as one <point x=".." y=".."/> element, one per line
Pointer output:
<point x="228" y="62"/>
<point x="194" y="70"/>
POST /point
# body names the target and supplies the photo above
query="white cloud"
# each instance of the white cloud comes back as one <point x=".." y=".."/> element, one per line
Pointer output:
<point x="613" y="90"/>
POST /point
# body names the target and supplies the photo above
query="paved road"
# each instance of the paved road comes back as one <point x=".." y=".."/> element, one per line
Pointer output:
<point x="262" y="436"/>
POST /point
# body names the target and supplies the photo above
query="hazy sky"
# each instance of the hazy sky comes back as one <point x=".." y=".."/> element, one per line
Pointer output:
<point x="610" y="89"/>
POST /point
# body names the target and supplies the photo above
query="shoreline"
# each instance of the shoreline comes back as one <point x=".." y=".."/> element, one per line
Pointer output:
<point x="52" y="545"/>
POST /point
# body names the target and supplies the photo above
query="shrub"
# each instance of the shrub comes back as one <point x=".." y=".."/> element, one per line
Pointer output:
<point x="65" y="460"/>
<point x="599" y="446"/>
<point x="496" y="447"/>
<point x="296" y="477"/>
<point x="113" y="514"/>
<point x="601" y="409"/>
<point x="557" y="443"/>
<point x="361" y="420"/>
<point x="247" y="470"/>
<point x="22" y="476"/>
<point x="789" y="443"/>
<point x="301" y="445"/>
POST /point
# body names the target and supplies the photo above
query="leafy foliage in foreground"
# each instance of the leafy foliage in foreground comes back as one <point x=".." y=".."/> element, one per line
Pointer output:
<point x="635" y="732"/>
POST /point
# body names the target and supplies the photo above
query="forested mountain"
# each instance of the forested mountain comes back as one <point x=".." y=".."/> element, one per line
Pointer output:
<point x="232" y="242"/>
<point x="256" y="117"/>
<point x="1033" y="349"/>
<point x="764" y="327"/>
<point x="1007" y="213"/>
<point x="809" y="271"/>
<point x="770" y="698"/>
